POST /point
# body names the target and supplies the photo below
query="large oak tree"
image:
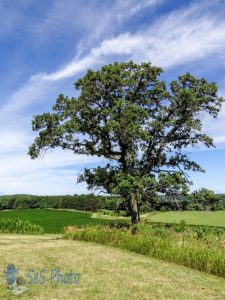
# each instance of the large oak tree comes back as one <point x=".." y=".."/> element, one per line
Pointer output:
<point x="141" y="125"/>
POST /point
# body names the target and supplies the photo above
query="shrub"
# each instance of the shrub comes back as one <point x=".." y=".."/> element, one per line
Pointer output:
<point x="180" y="227"/>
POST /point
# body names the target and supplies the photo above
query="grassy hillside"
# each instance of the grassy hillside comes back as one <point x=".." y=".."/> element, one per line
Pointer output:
<point x="210" y="218"/>
<point x="53" y="221"/>
<point x="105" y="273"/>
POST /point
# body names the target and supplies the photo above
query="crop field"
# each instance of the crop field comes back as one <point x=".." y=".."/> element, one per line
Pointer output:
<point x="210" y="218"/>
<point x="53" y="221"/>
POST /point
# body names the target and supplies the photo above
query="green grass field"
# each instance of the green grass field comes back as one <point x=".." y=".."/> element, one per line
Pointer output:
<point x="105" y="272"/>
<point x="210" y="218"/>
<point x="53" y="221"/>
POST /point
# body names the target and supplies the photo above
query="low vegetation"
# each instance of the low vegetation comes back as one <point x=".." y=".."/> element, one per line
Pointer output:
<point x="105" y="272"/>
<point x="8" y="225"/>
<point x="195" y="248"/>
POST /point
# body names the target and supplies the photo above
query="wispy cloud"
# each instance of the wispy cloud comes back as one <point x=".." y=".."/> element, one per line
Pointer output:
<point x="44" y="182"/>
<point x="9" y="17"/>
<point x="95" y="19"/>
<point x="125" y="9"/>
<point x="55" y="173"/>
<point x="26" y="95"/>
<point x="185" y="35"/>
<point x="97" y="23"/>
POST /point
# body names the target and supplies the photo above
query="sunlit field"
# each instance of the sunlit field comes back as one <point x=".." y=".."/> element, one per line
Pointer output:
<point x="210" y="218"/>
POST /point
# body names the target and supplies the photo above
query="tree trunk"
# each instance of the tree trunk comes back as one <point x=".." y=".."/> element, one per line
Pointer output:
<point x="134" y="212"/>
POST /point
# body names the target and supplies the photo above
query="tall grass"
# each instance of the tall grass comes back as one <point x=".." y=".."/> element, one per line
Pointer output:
<point x="189" y="252"/>
<point x="8" y="225"/>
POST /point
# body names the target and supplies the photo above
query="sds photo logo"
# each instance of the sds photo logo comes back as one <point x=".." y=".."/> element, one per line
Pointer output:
<point x="18" y="284"/>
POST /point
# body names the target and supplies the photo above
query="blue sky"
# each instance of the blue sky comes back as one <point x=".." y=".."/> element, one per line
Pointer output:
<point x="46" y="45"/>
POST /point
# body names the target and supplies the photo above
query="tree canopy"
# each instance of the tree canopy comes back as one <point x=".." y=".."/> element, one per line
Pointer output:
<point x="138" y="123"/>
<point x="205" y="199"/>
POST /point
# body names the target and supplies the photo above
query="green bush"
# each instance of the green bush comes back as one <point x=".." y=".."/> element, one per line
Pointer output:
<point x="187" y="251"/>
<point x="180" y="227"/>
<point x="8" y="225"/>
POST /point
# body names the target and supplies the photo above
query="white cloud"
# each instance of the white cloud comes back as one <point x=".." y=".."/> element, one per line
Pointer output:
<point x="44" y="182"/>
<point x="126" y="9"/>
<point x="12" y="139"/>
<point x="219" y="139"/>
<point x="31" y="92"/>
<point x="20" y="163"/>
<point x="55" y="173"/>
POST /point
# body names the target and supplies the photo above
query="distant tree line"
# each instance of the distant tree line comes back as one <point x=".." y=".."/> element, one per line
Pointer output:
<point x="89" y="202"/>
<point x="203" y="199"/>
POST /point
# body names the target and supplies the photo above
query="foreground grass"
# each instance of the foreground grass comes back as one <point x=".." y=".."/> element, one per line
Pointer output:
<point x="210" y="218"/>
<point x="53" y="221"/>
<point x="106" y="273"/>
